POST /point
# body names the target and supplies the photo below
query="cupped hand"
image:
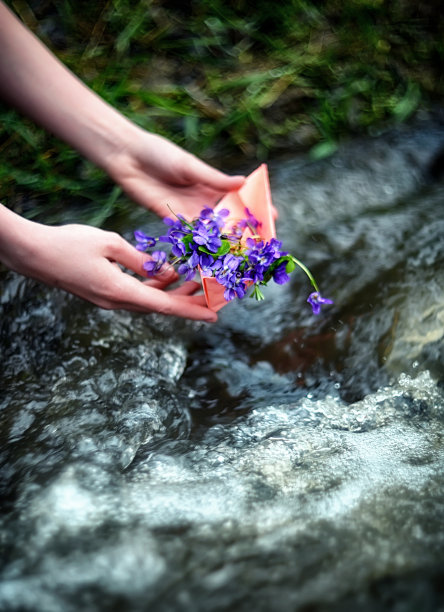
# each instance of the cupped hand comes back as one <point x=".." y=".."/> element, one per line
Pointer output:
<point x="84" y="260"/>
<point x="163" y="177"/>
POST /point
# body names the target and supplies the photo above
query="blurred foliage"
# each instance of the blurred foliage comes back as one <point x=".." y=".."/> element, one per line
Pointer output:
<point x="232" y="83"/>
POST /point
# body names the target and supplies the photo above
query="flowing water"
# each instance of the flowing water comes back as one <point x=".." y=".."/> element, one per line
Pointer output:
<point x="271" y="461"/>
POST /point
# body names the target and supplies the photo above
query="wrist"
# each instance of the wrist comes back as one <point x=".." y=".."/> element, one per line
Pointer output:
<point x="17" y="240"/>
<point x="113" y="136"/>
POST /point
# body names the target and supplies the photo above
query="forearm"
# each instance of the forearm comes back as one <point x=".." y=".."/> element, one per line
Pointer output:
<point x="35" y="82"/>
<point x="152" y="170"/>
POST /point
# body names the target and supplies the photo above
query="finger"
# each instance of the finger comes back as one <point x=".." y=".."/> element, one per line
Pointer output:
<point x="137" y="296"/>
<point x="167" y="275"/>
<point x="150" y="195"/>
<point x="197" y="300"/>
<point x="200" y="172"/>
<point x="187" y="199"/>
<point x="187" y="288"/>
<point x="119" y="250"/>
<point x="160" y="282"/>
<point x="200" y="299"/>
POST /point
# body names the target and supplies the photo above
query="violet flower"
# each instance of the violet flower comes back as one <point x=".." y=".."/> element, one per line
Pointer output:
<point x="143" y="240"/>
<point x="316" y="301"/>
<point x="207" y="235"/>
<point x="153" y="265"/>
<point x="237" y="262"/>
<point x="280" y="275"/>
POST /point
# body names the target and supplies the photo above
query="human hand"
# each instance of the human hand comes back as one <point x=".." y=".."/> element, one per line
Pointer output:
<point x="85" y="261"/>
<point x="163" y="177"/>
<point x="150" y="169"/>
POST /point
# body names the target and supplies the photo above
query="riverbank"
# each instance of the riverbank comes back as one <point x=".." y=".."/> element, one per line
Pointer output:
<point x="229" y="85"/>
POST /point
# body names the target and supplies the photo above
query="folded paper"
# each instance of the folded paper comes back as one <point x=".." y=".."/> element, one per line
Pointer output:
<point x="255" y="194"/>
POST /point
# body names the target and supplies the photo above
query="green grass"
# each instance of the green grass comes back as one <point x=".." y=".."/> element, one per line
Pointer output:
<point x="233" y="85"/>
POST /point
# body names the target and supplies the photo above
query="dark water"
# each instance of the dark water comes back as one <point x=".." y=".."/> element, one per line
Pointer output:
<point x="272" y="461"/>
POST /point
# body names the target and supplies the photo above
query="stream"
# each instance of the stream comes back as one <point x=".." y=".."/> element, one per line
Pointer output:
<point x="271" y="461"/>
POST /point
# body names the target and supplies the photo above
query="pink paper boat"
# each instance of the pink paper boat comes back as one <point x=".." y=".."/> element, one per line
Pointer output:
<point x="255" y="194"/>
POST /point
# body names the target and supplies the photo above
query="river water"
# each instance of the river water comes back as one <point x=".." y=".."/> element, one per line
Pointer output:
<point x="272" y="461"/>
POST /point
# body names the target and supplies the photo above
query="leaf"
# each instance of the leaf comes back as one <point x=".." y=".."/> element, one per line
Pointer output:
<point x="224" y="248"/>
<point x="409" y="103"/>
<point x="203" y="249"/>
<point x="323" y="149"/>
<point x="186" y="240"/>
<point x="290" y="266"/>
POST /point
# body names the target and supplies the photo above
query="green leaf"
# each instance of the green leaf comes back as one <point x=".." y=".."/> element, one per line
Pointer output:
<point x="290" y="266"/>
<point x="322" y="150"/>
<point x="186" y="240"/>
<point x="203" y="249"/>
<point x="224" y="248"/>
<point x="409" y="103"/>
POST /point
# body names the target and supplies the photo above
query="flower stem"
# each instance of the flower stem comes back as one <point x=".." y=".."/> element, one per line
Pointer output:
<point x="306" y="270"/>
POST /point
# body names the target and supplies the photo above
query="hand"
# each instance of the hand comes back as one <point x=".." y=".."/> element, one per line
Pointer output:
<point x="163" y="177"/>
<point x="85" y="261"/>
<point x="150" y="169"/>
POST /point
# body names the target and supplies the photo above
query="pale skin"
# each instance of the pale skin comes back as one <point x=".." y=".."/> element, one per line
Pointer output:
<point x="153" y="171"/>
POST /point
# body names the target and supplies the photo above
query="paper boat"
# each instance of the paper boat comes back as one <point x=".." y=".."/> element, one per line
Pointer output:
<point x="255" y="194"/>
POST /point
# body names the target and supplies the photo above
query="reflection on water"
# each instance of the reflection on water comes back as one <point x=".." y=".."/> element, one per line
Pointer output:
<point x="271" y="461"/>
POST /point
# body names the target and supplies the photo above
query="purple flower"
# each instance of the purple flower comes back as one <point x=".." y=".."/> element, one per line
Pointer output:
<point x="234" y="291"/>
<point x="280" y="275"/>
<point x="255" y="273"/>
<point x="316" y="300"/>
<point x="178" y="249"/>
<point x="218" y="218"/>
<point x="234" y="284"/>
<point x="175" y="223"/>
<point x="206" y="262"/>
<point x="226" y="266"/>
<point x="194" y="259"/>
<point x="227" y="273"/>
<point x="188" y="266"/>
<point x="176" y="239"/>
<point x="152" y="266"/>
<point x="187" y="269"/>
<point x="143" y="241"/>
<point x="260" y="257"/>
<point x="175" y="236"/>
<point x="251" y="220"/>
<point x="235" y="264"/>
<point x="263" y="254"/>
<point x="207" y="235"/>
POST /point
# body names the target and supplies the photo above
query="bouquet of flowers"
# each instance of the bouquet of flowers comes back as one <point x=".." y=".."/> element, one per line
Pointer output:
<point x="233" y="248"/>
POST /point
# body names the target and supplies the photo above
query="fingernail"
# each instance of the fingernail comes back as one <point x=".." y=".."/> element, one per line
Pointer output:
<point x="167" y="271"/>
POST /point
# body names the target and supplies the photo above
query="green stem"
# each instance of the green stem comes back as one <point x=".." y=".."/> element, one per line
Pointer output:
<point x="306" y="270"/>
<point x="257" y="293"/>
